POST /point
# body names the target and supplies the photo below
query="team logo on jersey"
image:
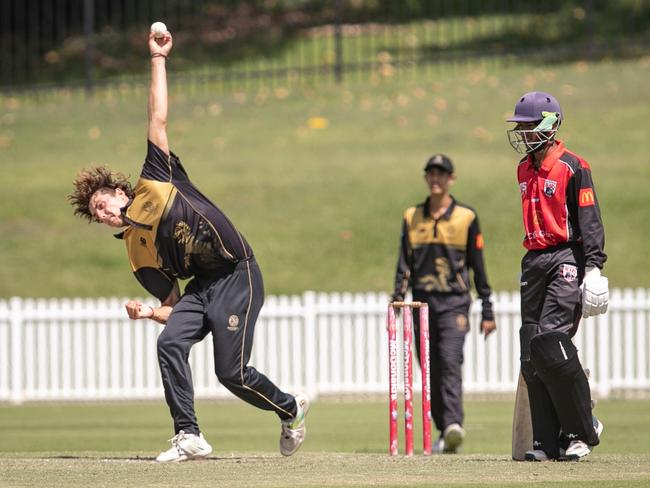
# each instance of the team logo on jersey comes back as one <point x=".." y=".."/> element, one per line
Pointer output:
<point x="569" y="272"/>
<point x="233" y="322"/>
<point x="522" y="188"/>
<point x="149" y="206"/>
<point x="549" y="187"/>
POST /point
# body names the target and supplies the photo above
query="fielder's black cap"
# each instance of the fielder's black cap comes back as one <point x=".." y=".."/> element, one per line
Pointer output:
<point x="439" y="161"/>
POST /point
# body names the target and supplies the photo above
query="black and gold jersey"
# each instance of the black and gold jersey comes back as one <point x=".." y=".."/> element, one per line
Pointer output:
<point x="174" y="231"/>
<point x="436" y="254"/>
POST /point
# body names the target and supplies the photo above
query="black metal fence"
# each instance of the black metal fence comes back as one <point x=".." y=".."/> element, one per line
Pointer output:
<point x="89" y="42"/>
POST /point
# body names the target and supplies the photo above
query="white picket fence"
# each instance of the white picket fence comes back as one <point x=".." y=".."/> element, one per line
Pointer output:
<point x="86" y="349"/>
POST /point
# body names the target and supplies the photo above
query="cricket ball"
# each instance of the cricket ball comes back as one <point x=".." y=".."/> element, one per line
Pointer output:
<point x="158" y="29"/>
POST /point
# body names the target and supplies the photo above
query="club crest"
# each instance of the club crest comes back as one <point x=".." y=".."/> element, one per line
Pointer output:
<point x="549" y="187"/>
<point x="522" y="187"/>
<point x="233" y="322"/>
<point x="569" y="272"/>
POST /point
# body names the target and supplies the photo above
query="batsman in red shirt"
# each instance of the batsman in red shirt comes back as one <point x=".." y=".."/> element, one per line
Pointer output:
<point x="560" y="279"/>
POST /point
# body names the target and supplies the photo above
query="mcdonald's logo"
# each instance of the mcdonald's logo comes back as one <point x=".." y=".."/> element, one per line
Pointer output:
<point x="586" y="197"/>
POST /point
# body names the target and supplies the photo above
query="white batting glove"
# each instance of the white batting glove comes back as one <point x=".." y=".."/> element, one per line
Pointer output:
<point x="595" y="293"/>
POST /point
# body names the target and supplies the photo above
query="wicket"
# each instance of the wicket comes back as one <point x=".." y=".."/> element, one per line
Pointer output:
<point x="407" y="320"/>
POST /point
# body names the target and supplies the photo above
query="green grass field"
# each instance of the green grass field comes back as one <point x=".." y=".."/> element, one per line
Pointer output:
<point x="113" y="444"/>
<point x="320" y="206"/>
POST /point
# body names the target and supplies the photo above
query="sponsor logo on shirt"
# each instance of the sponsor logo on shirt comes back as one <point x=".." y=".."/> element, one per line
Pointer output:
<point x="537" y="234"/>
<point x="586" y="197"/>
<point x="538" y="217"/>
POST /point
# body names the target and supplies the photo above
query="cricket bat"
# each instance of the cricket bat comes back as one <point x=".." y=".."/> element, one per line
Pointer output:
<point x="522" y="427"/>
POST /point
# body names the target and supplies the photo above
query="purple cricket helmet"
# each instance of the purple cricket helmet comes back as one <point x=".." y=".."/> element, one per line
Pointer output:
<point x="530" y="106"/>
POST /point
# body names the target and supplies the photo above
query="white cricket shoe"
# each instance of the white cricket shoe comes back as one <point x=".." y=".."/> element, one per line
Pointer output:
<point x="536" y="455"/>
<point x="185" y="447"/>
<point x="293" y="430"/>
<point x="453" y="437"/>
<point x="579" y="449"/>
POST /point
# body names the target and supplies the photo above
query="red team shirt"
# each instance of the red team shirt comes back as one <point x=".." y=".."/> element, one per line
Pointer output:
<point x="559" y="204"/>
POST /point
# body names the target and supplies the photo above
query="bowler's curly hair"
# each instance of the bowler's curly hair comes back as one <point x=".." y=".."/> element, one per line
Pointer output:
<point x="91" y="179"/>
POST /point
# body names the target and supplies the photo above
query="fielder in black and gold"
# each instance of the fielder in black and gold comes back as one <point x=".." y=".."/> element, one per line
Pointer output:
<point x="173" y="232"/>
<point x="441" y="241"/>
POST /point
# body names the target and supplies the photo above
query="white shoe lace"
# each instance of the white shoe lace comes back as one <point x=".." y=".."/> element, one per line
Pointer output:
<point x="176" y="440"/>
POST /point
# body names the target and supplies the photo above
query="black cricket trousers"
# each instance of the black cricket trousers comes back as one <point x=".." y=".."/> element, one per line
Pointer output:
<point x="448" y="326"/>
<point x="551" y="308"/>
<point x="228" y="308"/>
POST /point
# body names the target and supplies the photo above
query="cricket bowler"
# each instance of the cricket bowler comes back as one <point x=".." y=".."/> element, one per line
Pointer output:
<point x="173" y="232"/>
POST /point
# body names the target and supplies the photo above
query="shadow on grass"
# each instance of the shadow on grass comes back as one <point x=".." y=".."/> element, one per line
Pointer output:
<point x="64" y="457"/>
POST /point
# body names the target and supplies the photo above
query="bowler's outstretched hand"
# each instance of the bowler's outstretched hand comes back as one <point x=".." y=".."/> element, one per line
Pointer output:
<point x="160" y="46"/>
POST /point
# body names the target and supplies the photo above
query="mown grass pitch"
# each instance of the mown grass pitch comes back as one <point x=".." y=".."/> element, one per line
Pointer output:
<point x="113" y="444"/>
<point x="325" y="469"/>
